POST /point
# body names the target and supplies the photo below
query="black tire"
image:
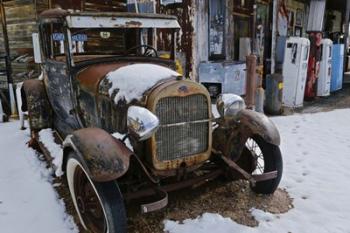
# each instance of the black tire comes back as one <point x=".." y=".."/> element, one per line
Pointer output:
<point x="104" y="212"/>
<point x="272" y="160"/>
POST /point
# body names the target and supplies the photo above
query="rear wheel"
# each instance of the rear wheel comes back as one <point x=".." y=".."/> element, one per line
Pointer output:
<point x="100" y="206"/>
<point x="264" y="157"/>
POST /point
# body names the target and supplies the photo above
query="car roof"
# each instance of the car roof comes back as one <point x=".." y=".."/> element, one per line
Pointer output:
<point x="116" y="19"/>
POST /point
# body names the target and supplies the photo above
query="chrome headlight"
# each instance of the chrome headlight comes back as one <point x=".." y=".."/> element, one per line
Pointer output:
<point x="229" y="104"/>
<point x="142" y="123"/>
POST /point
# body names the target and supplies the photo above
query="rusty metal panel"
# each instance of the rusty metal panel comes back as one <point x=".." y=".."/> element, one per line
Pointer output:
<point x="35" y="98"/>
<point x="106" y="158"/>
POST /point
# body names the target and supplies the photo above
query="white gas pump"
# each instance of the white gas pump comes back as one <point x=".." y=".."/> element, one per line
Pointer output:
<point x="324" y="80"/>
<point x="295" y="65"/>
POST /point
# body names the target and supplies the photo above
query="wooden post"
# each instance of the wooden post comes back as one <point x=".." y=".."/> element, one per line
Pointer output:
<point x="251" y="81"/>
<point x="274" y="35"/>
<point x="8" y="62"/>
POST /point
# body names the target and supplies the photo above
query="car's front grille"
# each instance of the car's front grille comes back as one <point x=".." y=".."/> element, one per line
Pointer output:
<point x="184" y="129"/>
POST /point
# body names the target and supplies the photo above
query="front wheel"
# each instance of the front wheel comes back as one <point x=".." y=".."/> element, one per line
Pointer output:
<point x="265" y="158"/>
<point x="100" y="206"/>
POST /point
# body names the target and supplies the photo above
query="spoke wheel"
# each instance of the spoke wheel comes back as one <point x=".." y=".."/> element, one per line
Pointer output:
<point x="263" y="157"/>
<point x="257" y="155"/>
<point x="88" y="203"/>
<point x="99" y="206"/>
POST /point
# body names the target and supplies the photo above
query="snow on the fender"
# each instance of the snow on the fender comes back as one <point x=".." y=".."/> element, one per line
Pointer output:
<point x="56" y="151"/>
<point x="28" y="201"/>
<point x="133" y="80"/>
<point x="316" y="155"/>
<point x="121" y="137"/>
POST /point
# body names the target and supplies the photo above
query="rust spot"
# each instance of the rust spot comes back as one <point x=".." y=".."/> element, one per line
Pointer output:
<point x="133" y="24"/>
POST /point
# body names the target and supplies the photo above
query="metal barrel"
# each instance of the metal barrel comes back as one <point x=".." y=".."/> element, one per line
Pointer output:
<point x="274" y="93"/>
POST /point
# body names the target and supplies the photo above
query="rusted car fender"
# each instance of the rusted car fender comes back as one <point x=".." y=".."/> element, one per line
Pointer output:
<point x="255" y="123"/>
<point x="35" y="101"/>
<point x="104" y="157"/>
<point x="231" y="134"/>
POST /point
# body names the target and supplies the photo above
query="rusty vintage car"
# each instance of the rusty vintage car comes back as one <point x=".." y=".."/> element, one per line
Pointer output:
<point x="130" y="125"/>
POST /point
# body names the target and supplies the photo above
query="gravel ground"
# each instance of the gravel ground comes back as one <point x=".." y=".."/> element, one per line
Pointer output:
<point x="233" y="199"/>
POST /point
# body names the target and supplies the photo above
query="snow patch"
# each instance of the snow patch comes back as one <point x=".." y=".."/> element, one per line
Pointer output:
<point x="121" y="137"/>
<point x="206" y="223"/>
<point x="132" y="81"/>
<point x="214" y="111"/>
<point x="28" y="202"/>
<point x="262" y="216"/>
<point x="56" y="151"/>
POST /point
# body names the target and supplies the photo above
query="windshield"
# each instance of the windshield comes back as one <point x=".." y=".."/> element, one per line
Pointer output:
<point x="91" y="43"/>
<point x="102" y="41"/>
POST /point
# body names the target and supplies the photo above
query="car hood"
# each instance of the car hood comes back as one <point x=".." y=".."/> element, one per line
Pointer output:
<point x="130" y="82"/>
<point x="123" y="81"/>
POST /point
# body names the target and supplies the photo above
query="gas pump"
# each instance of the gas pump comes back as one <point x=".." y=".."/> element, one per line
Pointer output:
<point x="314" y="29"/>
<point x="313" y="65"/>
<point x="294" y="71"/>
<point x="324" y="80"/>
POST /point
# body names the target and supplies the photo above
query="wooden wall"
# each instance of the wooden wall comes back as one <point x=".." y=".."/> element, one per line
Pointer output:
<point x="21" y="16"/>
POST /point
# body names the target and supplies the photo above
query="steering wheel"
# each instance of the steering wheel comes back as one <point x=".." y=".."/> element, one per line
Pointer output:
<point x="149" y="50"/>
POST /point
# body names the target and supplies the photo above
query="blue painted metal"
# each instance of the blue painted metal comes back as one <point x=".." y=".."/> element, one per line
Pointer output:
<point x="337" y="67"/>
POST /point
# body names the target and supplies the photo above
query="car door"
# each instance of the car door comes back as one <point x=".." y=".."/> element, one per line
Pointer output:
<point x="57" y="77"/>
<point x="61" y="96"/>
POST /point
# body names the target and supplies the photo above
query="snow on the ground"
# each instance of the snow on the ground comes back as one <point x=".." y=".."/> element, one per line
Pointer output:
<point x="28" y="201"/>
<point x="316" y="153"/>
<point x="56" y="151"/>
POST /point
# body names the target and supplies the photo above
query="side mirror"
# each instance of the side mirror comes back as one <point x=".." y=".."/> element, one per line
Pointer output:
<point x="142" y="123"/>
<point x="36" y="48"/>
<point x="229" y="105"/>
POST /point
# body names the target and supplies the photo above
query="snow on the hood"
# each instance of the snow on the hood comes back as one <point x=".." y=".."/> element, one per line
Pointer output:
<point x="28" y="202"/>
<point x="56" y="151"/>
<point x="316" y="155"/>
<point x="121" y="137"/>
<point x="133" y="80"/>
